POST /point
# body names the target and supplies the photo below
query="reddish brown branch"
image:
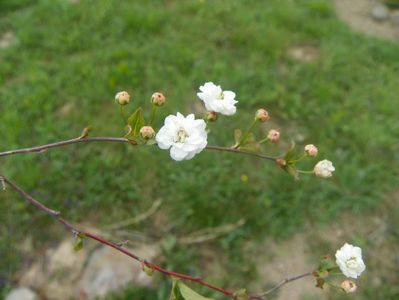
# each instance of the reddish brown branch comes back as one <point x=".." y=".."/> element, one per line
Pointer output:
<point x="75" y="230"/>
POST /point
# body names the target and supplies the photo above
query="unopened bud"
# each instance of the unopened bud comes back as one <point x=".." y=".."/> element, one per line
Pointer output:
<point x="273" y="136"/>
<point x="147" y="132"/>
<point x="281" y="162"/>
<point x="311" y="150"/>
<point x="348" y="286"/>
<point x="122" y="98"/>
<point x="212" y="116"/>
<point x="262" y="115"/>
<point x="158" y="99"/>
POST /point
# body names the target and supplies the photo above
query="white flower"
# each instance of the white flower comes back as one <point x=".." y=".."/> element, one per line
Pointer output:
<point x="185" y="136"/>
<point x="349" y="259"/>
<point x="324" y="169"/>
<point x="217" y="100"/>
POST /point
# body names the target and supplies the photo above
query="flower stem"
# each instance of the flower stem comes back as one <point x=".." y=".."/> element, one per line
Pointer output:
<point x="298" y="159"/>
<point x="153" y="113"/>
<point x="305" y="172"/>
<point x="122" y="111"/>
<point x="247" y="133"/>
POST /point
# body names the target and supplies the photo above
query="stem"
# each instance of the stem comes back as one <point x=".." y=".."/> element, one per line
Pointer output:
<point x="153" y="113"/>
<point x="263" y="140"/>
<point x="122" y="111"/>
<point x="305" y="172"/>
<point x="247" y="133"/>
<point x="234" y="150"/>
<point x="75" y="230"/>
<point x="284" y="282"/>
<point x="298" y="159"/>
<point x="68" y="142"/>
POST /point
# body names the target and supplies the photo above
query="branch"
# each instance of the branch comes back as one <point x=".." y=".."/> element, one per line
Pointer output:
<point x="119" y="247"/>
<point x="83" y="139"/>
<point x="284" y="282"/>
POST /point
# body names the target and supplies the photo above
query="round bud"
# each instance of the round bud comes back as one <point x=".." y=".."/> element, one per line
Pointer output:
<point x="281" y="162"/>
<point x="273" y="136"/>
<point x="212" y="116"/>
<point x="147" y="132"/>
<point x="158" y="99"/>
<point x="122" y="98"/>
<point x="262" y="115"/>
<point x="348" y="286"/>
<point x="311" y="150"/>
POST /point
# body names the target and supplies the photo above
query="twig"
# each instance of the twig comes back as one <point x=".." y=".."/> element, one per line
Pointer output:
<point x="82" y="139"/>
<point x="119" y="247"/>
<point x="284" y="282"/>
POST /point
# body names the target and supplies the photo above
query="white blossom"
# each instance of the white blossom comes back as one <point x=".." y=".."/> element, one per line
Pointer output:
<point x="349" y="260"/>
<point x="184" y="136"/>
<point x="217" y="100"/>
<point x="324" y="169"/>
<point x="311" y="150"/>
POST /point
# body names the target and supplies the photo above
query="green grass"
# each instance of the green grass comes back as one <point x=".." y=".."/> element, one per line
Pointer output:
<point x="68" y="61"/>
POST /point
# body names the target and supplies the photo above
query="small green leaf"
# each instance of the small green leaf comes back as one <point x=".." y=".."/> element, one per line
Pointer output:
<point x="79" y="242"/>
<point x="237" y="135"/>
<point x="290" y="153"/>
<point x="241" y="294"/>
<point x="148" y="270"/>
<point x="135" y="121"/>
<point x="189" y="294"/>
<point x="175" y="293"/>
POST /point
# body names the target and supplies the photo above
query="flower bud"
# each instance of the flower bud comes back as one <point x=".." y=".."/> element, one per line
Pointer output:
<point x="158" y="99"/>
<point x="262" y="115"/>
<point x="324" y="169"/>
<point x="273" y="136"/>
<point x="348" y="286"/>
<point x="311" y="150"/>
<point x="147" y="132"/>
<point x="122" y="98"/>
<point x="212" y="116"/>
<point x="281" y="162"/>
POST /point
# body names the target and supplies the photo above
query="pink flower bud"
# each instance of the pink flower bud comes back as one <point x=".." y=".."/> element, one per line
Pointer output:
<point x="348" y="286"/>
<point x="158" y="99"/>
<point x="212" y="116"/>
<point x="122" y="98"/>
<point x="147" y="132"/>
<point x="262" y="115"/>
<point x="311" y="150"/>
<point x="273" y="136"/>
<point x="281" y="162"/>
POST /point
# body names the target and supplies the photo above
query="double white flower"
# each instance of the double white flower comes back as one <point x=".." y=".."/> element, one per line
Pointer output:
<point x="217" y="100"/>
<point x="324" y="169"/>
<point x="184" y="136"/>
<point x="349" y="260"/>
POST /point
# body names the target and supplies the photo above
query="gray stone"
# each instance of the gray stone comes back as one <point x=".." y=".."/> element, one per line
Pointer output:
<point x="22" y="293"/>
<point x="379" y="12"/>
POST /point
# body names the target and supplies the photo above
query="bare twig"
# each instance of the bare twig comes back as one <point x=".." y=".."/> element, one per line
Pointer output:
<point x="119" y="247"/>
<point x="284" y="282"/>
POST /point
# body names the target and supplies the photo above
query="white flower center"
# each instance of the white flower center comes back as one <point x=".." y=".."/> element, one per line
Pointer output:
<point x="221" y="96"/>
<point x="351" y="262"/>
<point x="181" y="135"/>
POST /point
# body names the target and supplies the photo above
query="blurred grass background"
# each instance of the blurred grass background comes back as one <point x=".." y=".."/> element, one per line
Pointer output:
<point x="69" y="59"/>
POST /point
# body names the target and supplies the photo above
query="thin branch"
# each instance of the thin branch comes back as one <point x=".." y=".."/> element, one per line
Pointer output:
<point x="78" y="140"/>
<point x="84" y="139"/>
<point x="284" y="282"/>
<point x="119" y="247"/>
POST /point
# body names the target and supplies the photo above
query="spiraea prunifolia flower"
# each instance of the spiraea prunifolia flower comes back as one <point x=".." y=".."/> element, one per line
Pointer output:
<point x="217" y="100"/>
<point x="147" y="132"/>
<point x="122" y="98"/>
<point x="262" y="115"/>
<point x="184" y="136"/>
<point x="349" y="260"/>
<point x="324" y="169"/>
<point x="348" y="286"/>
<point x="273" y="136"/>
<point x="311" y="150"/>
<point x="158" y="99"/>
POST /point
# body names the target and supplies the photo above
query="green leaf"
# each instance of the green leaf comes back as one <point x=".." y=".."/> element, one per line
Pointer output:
<point x="237" y="135"/>
<point x="148" y="270"/>
<point x="79" y="241"/>
<point x="290" y="153"/>
<point x="175" y="293"/>
<point x="241" y="294"/>
<point x="135" y="121"/>
<point x="189" y="294"/>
